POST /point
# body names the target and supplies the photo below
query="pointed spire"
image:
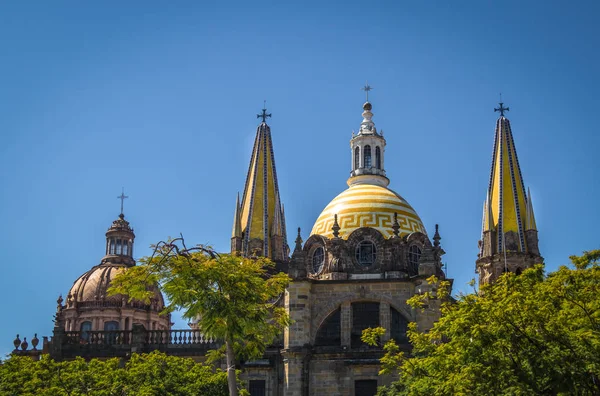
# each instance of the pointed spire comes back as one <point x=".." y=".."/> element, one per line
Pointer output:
<point x="261" y="215"/>
<point x="336" y="227"/>
<point x="507" y="208"/>
<point x="488" y="217"/>
<point x="530" y="217"/>
<point x="236" y="232"/>
<point x="298" y="242"/>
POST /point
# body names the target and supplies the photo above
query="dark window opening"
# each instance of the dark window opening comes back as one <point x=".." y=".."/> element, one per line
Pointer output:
<point x="111" y="328"/>
<point x="330" y="331"/>
<point x="318" y="259"/>
<point x="85" y="329"/>
<point x="356" y="158"/>
<point x="399" y="326"/>
<point x="367" y="151"/>
<point x="257" y="387"/>
<point x="364" y="315"/>
<point x="365" y="387"/>
<point x="518" y="271"/>
<point x="414" y="255"/>
<point x="378" y="157"/>
<point x="366" y="253"/>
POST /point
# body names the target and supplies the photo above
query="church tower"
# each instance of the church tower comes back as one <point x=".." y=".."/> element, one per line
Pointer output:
<point x="509" y="239"/>
<point x="259" y="218"/>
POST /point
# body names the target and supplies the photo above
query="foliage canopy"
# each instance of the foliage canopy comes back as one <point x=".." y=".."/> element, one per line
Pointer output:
<point x="143" y="375"/>
<point x="527" y="334"/>
<point x="234" y="299"/>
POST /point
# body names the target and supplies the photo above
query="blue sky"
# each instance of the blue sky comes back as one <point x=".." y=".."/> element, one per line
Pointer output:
<point x="162" y="100"/>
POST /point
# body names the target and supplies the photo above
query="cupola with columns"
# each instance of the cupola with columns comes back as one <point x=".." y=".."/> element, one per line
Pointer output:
<point x="368" y="148"/>
<point x="509" y="240"/>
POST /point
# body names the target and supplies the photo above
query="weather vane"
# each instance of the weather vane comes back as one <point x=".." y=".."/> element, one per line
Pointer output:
<point x="122" y="197"/>
<point x="367" y="88"/>
<point x="264" y="114"/>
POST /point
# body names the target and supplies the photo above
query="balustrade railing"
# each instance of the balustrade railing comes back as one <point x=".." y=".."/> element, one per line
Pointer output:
<point x="112" y="337"/>
<point x="176" y="337"/>
<point x="125" y="337"/>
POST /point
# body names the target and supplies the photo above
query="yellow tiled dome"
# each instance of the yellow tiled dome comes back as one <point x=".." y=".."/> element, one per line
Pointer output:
<point x="368" y="205"/>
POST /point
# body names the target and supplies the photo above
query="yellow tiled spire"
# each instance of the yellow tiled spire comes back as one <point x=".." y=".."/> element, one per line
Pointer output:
<point x="507" y="207"/>
<point x="261" y="214"/>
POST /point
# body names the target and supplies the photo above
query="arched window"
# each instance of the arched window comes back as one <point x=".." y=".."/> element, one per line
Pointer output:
<point x="318" y="259"/>
<point x="377" y="157"/>
<point x="357" y="158"/>
<point x="330" y="331"/>
<point x="84" y="330"/>
<point x="111" y="328"/>
<point x="399" y="326"/>
<point x="112" y="246"/>
<point x="414" y="255"/>
<point x="364" y="315"/>
<point x="367" y="162"/>
<point x="366" y="253"/>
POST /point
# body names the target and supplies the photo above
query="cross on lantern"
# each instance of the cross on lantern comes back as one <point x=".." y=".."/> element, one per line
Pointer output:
<point x="367" y="88"/>
<point x="122" y="197"/>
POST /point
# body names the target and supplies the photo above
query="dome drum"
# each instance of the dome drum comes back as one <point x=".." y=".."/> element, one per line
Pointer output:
<point x="366" y="254"/>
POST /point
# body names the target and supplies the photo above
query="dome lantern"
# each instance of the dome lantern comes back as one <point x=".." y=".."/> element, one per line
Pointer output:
<point x="119" y="240"/>
<point x="367" y="151"/>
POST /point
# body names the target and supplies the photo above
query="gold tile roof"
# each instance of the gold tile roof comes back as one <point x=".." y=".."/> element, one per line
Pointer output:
<point x="507" y="207"/>
<point x="260" y="214"/>
<point x="367" y="205"/>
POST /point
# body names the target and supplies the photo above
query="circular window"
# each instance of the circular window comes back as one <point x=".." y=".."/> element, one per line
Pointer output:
<point x="414" y="255"/>
<point x="366" y="253"/>
<point x="318" y="259"/>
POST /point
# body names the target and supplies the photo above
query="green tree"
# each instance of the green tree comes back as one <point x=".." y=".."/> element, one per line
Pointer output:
<point x="234" y="298"/>
<point x="144" y="374"/>
<point x="527" y="334"/>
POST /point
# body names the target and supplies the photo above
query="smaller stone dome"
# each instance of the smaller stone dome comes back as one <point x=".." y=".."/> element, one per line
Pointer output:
<point x="91" y="289"/>
<point x="367" y="106"/>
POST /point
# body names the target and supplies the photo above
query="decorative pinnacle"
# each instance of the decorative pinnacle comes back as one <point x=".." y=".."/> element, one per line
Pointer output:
<point x="264" y="114"/>
<point x="501" y="109"/>
<point x="436" y="237"/>
<point x="336" y="227"/>
<point x="367" y="88"/>
<point x="298" y="241"/>
<point x="122" y="197"/>
<point x="396" y="226"/>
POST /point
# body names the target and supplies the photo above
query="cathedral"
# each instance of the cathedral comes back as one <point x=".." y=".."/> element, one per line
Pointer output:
<point x="367" y="253"/>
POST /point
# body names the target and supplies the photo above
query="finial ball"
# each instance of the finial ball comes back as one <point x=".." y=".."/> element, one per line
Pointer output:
<point x="367" y="106"/>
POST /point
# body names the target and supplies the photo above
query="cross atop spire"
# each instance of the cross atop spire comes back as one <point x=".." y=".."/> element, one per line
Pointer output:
<point x="122" y="197"/>
<point x="264" y="114"/>
<point x="501" y="109"/>
<point x="367" y="88"/>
